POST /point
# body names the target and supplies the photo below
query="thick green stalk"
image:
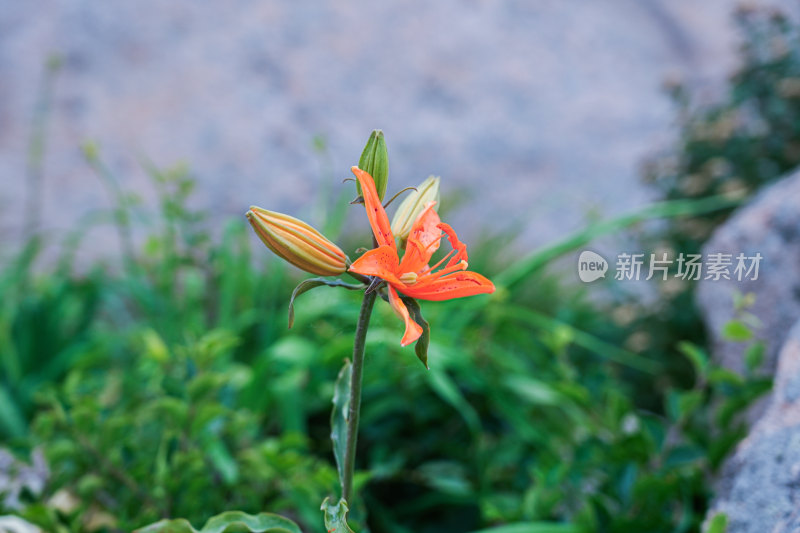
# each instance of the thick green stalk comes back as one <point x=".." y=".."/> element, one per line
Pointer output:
<point x="355" y="394"/>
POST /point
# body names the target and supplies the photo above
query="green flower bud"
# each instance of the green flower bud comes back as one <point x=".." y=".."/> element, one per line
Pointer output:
<point x="375" y="162"/>
<point x="297" y="242"/>
<point x="412" y="206"/>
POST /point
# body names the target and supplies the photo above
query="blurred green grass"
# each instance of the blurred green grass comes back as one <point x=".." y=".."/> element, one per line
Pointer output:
<point x="171" y="387"/>
<point x="168" y="385"/>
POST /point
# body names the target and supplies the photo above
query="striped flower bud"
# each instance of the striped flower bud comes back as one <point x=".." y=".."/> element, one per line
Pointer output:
<point x="375" y="162"/>
<point x="297" y="242"/>
<point x="412" y="206"/>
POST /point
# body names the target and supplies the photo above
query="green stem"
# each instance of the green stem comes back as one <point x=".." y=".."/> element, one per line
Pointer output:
<point x="355" y="395"/>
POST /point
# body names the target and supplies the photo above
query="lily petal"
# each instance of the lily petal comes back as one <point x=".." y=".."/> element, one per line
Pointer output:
<point x="423" y="240"/>
<point x="455" y="285"/>
<point x="381" y="262"/>
<point x="413" y="330"/>
<point x="459" y="247"/>
<point x="376" y="214"/>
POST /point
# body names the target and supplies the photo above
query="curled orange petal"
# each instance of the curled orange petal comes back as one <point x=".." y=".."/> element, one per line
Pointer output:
<point x="376" y="214"/>
<point x="413" y="330"/>
<point x="459" y="247"/>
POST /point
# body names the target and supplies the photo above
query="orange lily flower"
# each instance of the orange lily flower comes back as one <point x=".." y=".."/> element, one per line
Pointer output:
<point x="412" y="275"/>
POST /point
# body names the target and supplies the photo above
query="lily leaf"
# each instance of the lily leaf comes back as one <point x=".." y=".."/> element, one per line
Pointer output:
<point x="339" y="415"/>
<point x="421" y="347"/>
<point x="312" y="283"/>
<point x="336" y="516"/>
<point x="228" y="522"/>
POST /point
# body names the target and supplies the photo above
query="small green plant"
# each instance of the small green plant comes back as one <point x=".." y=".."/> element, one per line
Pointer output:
<point x="164" y="435"/>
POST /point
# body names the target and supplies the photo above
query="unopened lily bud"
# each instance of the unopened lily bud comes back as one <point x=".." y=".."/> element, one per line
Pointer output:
<point x="297" y="242"/>
<point x="375" y="162"/>
<point x="413" y="205"/>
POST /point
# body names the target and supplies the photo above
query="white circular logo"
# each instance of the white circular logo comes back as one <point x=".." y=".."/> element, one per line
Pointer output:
<point x="591" y="266"/>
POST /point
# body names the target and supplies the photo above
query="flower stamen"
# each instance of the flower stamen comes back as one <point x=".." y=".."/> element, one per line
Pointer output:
<point x="409" y="278"/>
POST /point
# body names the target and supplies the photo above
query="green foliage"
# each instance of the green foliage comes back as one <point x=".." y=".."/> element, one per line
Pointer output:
<point x="229" y="522"/>
<point x="188" y="397"/>
<point x="171" y="387"/>
<point x="44" y="324"/>
<point x="165" y="436"/>
<point x="750" y="137"/>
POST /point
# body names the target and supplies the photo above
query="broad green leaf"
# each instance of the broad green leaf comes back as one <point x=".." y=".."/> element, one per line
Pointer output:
<point x="307" y="285"/>
<point x="683" y="456"/>
<point x="718" y="524"/>
<point x="421" y="347"/>
<point x="228" y="522"/>
<point x="754" y="356"/>
<point x="736" y="331"/>
<point x="339" y="415"/>
<point x="335" y="516"/>
<point x="721" y="375"/>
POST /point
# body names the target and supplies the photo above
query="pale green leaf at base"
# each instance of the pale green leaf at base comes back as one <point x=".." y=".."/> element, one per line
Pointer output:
<point x="336" y="516"/>
<point x="228" y="522"/>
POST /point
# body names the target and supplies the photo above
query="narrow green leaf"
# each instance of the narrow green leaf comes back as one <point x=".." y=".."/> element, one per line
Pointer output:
<point x="228" y="522"/>
<point x="307" y="285"/>
<point x="336" y="516"/>
<point x="518" y="270"/>
<point x="581" y="338"/>
<point x="222" y="460"/>
<point x="12" y="421"/>
<point x="696" y="355"/>
<point x="533" y="391"/>
<point x="445" y="387"/>
<point x="339" y="415"/>
<point x="421" y="347"/>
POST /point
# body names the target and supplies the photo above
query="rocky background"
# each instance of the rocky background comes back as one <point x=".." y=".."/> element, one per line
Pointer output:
<point x="542" y="110"/>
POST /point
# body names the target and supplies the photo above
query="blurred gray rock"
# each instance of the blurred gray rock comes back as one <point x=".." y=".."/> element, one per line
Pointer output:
<point x="770" y="225"/>
<point x="760" y="486"/>
<point x="542" y="109"/>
